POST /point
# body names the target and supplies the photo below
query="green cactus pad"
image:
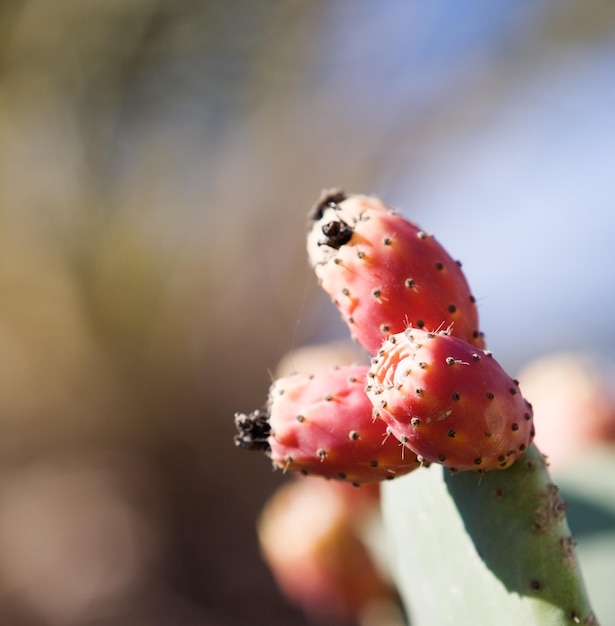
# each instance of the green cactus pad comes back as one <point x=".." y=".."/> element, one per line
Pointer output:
<point x="490" y="548"/>
<point x="587" y="484"/>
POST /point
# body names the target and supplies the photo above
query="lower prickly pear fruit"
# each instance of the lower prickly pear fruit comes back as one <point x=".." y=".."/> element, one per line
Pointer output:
<point x="384" y="273"/>
<point x="322" y="424"/>
<point x="449" y="402"/>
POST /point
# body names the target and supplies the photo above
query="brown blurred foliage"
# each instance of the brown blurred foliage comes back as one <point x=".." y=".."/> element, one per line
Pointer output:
<point x="142" y="300"/>
<point x="157" y="160"/>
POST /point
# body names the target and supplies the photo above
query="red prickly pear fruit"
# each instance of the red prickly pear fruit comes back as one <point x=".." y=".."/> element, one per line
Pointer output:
<point x="384" y="273"/>
<point x="449" y="402"/>
<point x="310" y="537"/>
<point x="322" y="424"/>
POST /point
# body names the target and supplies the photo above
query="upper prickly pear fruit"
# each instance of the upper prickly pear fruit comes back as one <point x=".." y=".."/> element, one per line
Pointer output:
<point x="384" y="273"/>
<point x="449" y="402"/>
<point x="322" y="424"/>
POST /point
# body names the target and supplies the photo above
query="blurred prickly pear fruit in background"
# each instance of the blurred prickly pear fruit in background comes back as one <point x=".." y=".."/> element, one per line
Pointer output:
<point x="449" y="402"/>
<point x="573" y="395"/>
<point x="316" y="357"/>
<point x="322" y="424"/>
<point x="311" y="537"/>
<point x="384" y="273"/>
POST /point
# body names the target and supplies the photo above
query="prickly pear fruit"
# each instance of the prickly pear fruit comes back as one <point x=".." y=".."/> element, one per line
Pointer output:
<point x="573" y="394"/>
<point x="319" y="356"/>
<point x="449" y="402"/>
<point x="310" y="535"/>
<point x="322" y="424"/>
<point x="384" y="273"/>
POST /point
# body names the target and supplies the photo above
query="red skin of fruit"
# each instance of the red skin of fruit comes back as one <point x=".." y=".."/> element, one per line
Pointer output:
<point x="449" y="402"/>
<point x="323" y="424"/>
<point x="384" y="273"/>
<point x="310" y="537"/>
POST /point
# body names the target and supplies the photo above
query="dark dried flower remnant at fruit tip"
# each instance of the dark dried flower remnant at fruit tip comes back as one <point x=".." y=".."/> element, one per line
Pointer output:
<point x="337" y="233"/>
<point x="253" y="431"/>
<point x="328" y="197"/>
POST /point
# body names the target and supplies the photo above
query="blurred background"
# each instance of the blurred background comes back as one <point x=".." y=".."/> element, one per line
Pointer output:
<point x="157" y="160"/>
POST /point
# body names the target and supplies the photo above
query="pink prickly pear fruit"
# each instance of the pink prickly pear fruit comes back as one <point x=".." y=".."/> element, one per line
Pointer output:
<point x="384" y="273"/>
<point x="310" y="537"/>
<point x="573" y="395"/>
<point x="322" y="424"/>
<point x="449" y="402"/>
<point x="316" y="357"/>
